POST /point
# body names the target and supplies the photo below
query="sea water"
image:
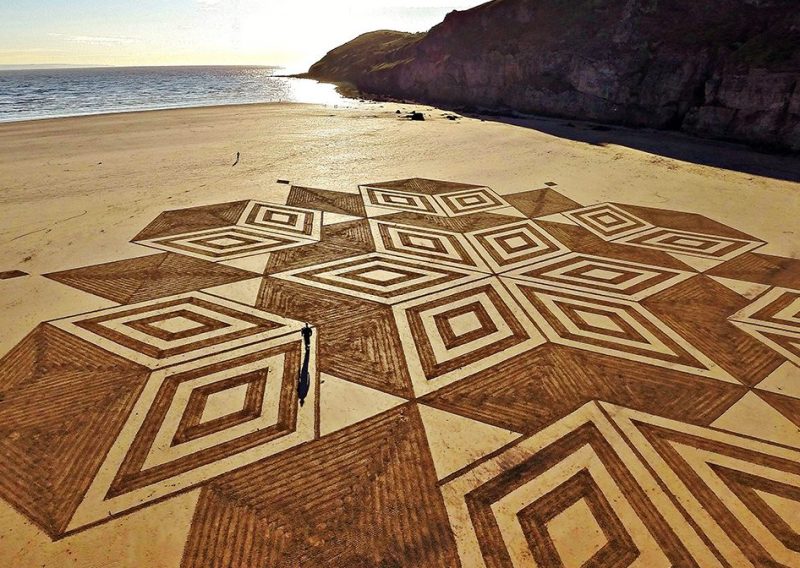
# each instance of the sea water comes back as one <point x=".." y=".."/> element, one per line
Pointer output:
<point x="46" y="93"/>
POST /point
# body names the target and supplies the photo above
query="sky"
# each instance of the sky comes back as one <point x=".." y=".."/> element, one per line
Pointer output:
<point x="290" y="33"/>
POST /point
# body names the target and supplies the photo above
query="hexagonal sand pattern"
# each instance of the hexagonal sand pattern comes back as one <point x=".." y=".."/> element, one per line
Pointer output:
<point x="495" y="380"/>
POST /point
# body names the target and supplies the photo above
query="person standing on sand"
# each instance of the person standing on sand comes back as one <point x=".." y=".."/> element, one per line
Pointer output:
<point x="304" y="380"/>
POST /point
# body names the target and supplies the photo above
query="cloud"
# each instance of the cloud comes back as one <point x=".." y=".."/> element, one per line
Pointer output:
<point x="96" y="40"/>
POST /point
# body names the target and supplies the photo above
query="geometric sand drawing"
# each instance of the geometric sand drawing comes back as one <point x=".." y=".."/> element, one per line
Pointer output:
<point x="175" y="329"/>
<point x="226" y="243"/>
<point x="576" y="493"/>
<point x="529" y="382"/>
<point x="468" y="201"/>
<point x="461" y="332"/>
<point x="177" y="437"/>
<point x="281" y="219"/>
<point x="400" y="201"/>
<point x="452" y="201"/>
<point x="613" y="326"/>
<point x="694" y="244"/>
<point x="381" y="277"/>
<point x="774" y="318"/>
<point x="427" y="245"/>
<point x="604" y="276"/>
<point x="515" y="245"/>
<point x="608" y="221"/>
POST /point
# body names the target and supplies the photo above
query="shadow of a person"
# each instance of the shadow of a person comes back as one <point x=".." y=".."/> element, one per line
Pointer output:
<point x="304" y="380"/>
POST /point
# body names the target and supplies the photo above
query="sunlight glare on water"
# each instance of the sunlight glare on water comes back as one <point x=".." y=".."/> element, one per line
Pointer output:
<point x="45" y="93"/>
<point x="309" y="91"/>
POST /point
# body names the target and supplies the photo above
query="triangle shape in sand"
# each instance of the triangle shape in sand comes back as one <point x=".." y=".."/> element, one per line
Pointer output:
<point x="244" y="292"/>
<point x="700" y="264"/>
<point x="509" y="211"/>
<point x="456" y="441"/>
<point x="752" y="416"/>
<point x="380" y="212"/>
<point x="256" y="263"/>
<point x="334" y="218"/>
<point x="557" y="218"/>
<point x="749" y="290"/>
<point x="785" y="508"/>
<point x="784" y="380"/>
<point x="343" y="403"/>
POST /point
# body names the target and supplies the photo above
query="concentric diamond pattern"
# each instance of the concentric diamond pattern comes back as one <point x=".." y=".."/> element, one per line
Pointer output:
<point x="492" y="380"/>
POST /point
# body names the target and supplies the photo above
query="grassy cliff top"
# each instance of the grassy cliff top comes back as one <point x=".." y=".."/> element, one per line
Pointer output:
<point x="366" y="53"/>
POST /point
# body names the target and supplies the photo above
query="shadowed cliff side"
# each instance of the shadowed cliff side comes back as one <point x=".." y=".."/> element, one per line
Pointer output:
<point x="727" y="69"/>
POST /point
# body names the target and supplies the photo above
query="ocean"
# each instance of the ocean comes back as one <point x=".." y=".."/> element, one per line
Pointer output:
<point x="47" y="93"/>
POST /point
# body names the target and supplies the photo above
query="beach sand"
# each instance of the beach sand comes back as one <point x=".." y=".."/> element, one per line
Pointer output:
<point x="75" y="191"/>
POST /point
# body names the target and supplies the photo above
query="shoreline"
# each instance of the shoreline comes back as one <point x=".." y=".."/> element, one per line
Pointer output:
<point x="668" y="144"/>
<point x="348" y="89"/>
<point x="122" y="113"/>
<point x="120" y="94"/>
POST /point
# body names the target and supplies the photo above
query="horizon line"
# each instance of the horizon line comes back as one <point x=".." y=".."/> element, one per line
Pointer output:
<point x="22" y="66"/>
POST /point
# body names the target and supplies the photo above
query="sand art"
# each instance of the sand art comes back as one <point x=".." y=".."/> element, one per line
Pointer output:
<point x="499" y="381"/>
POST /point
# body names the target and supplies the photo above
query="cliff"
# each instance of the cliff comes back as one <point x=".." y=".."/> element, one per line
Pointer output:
<point x="719" y="68"/>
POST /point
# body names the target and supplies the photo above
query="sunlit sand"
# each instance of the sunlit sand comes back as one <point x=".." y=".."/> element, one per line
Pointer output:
<point x="529" y="344"/>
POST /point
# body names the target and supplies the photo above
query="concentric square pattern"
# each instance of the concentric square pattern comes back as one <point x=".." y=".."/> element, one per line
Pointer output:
<point x="447" y="203"/>
<point x="282" y="219"/>
<point x="401" y="201"/>
<point x="608" y="221"/>
<point x="497" y="391"/>
<point x="196" y="421"/>
<point x="712" y="247"/>
<point x="617" y="327"/>
<point x="514" y="245"/>
<point x="226" y="243"/>
<point x="454" y="334"/>
<point x="604" y="276"/>
<point x="613" y="223"/>
<point x="381" y="277"/>
<point x="428" y="245"/>
<point x="469" y="201"/>
<point x="600" y="487"/>
<point x="167" y="331"/>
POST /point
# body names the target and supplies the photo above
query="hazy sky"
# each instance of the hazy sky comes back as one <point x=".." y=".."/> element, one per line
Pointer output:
<point x="147" y="32"/>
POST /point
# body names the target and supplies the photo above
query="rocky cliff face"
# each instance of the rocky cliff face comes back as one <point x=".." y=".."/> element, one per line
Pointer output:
<point x="720" y="68"/>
